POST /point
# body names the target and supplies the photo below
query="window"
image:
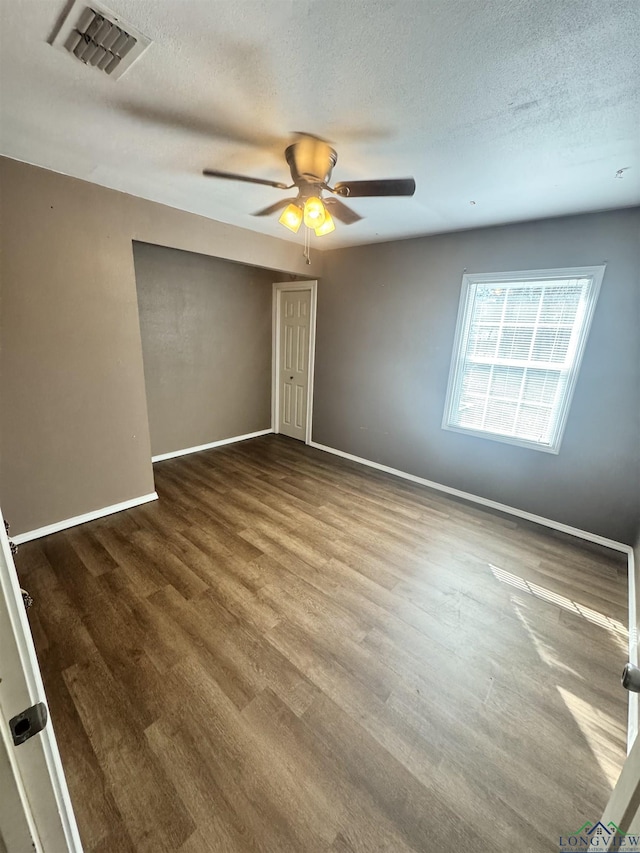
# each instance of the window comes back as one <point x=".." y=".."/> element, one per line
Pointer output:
<point x="517" y="352"/>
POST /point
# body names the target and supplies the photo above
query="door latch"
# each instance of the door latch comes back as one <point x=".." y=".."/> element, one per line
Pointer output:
<point x="28" y="723"/>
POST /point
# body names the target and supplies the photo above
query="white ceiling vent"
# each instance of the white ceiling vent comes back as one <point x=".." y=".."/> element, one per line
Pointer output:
<point x="97" y="37"/>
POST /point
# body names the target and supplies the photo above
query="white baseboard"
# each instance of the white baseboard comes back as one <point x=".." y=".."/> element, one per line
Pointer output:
<point x="81" y="519"/>
<point x="467" y="496"/>
<point x="232" y="440"/>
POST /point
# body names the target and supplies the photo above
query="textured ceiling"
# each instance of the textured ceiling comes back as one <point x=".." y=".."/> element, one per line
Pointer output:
<point x="526" y="108"/>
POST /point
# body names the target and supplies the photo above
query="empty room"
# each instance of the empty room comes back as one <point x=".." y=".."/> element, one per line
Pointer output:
<point x="320" y="426"/>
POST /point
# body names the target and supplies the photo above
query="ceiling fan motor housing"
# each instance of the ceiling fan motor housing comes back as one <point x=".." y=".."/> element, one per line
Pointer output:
<point x="311" y="161"/>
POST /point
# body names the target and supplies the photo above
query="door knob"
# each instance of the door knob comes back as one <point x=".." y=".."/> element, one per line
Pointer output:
<point x="631" y="678"/>
<point x="291" y="377"/>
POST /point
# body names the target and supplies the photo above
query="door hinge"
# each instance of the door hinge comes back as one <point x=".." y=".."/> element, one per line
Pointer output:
<point x="28" y="723"/>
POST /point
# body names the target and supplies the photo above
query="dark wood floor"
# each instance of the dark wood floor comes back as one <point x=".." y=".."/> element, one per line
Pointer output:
<point x="288" y="652"/>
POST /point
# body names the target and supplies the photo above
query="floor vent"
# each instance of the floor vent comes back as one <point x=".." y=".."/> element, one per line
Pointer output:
<point x="98" y="38"/>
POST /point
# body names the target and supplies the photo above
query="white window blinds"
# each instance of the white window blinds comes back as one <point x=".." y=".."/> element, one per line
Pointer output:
<point x="519" y="342"/>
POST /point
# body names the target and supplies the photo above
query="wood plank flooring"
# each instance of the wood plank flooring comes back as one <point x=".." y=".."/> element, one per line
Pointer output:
<point x="290" y="653"/>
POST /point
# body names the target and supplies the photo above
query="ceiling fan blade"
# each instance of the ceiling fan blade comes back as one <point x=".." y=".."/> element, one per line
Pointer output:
<point x="341" y="211"/>
<point x="273" y="208"/>
<point x="303" y="133"/>
<point x="383" y="187"/>
<point x="231" y="176"/>
<point x="216" y="124"/>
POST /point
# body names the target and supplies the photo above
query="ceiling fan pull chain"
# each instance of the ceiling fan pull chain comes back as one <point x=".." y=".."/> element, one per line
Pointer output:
<point x="307" y="250"/>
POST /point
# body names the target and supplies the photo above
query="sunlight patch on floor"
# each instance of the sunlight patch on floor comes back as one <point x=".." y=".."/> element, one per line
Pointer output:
<point x="546" y="652"/>
<point x="599" y="730"/>
<point x="616" y="629"/>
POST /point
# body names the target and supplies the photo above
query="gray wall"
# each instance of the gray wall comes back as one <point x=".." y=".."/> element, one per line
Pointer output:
<point x="206" y="346"/>
<point x="73" y="422"/>
<point x="386" y="320"/>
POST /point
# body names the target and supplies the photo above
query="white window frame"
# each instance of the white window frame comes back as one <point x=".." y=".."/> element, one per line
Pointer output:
<point x="595" y="273"/>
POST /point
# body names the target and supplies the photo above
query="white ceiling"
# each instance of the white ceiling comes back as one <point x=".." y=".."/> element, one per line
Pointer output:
<point x="526" y="107"/>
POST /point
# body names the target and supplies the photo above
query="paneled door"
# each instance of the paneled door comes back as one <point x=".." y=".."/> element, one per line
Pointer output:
<point x="293" y="378"/>
<point x="35" y="809"/>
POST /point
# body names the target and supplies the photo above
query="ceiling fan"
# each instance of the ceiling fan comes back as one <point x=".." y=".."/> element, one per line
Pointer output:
<point x="311" y="161"/>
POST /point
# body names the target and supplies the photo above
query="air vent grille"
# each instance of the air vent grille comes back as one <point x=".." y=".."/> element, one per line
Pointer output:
<point x="97" y="37"/>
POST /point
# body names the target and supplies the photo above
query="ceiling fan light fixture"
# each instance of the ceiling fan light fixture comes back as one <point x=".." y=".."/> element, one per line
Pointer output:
<point x="311" y="161"/>
<point x="314" y="212"/>
<point x="327" y="226"/>
<point x="291" y="218"/>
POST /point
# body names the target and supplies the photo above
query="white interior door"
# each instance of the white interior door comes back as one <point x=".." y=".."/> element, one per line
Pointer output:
<point x="619" y="827"/>
<point x="15" y="829"/>
<point x="36" y="812"/>
<point x="294" y="373"/>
